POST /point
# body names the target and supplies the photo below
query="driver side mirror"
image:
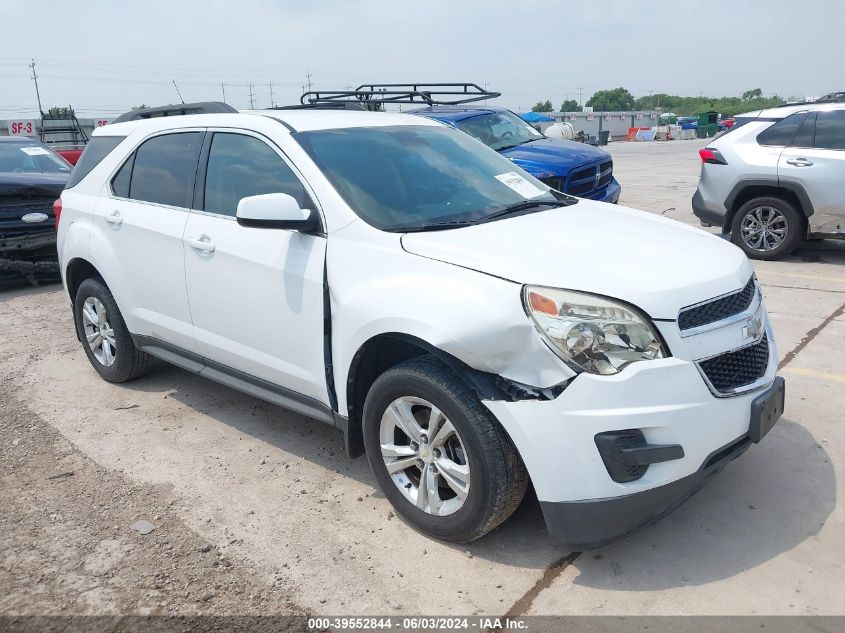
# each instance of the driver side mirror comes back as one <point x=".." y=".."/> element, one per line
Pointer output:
<point x="275" y="211"/>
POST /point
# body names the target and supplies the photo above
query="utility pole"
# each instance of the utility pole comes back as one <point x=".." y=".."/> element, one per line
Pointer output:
<point x="581" y="96"/>
<point x="223" y="88"/>
<point x="251" y="98"/>
<point x="37" y="93"/>
<point x="308" y="80"/>
<point x="272" y="103"/>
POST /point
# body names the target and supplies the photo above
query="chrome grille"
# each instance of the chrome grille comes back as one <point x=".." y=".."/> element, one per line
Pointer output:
<point x="717" y="309"/>
<point x="733" y="370"/>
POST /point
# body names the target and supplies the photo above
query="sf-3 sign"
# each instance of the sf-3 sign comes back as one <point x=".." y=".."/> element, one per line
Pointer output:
<point x="22" y="128"/>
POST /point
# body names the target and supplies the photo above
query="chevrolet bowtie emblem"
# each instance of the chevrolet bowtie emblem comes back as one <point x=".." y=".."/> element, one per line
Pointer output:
<point x="753" y="327"/>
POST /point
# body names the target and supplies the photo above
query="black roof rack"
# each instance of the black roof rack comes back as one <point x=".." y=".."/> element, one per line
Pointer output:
<point x="833" y="97"/>
<point x="329" y="105"/>
<point x="178" y="109"/>
<point x="374" y="96"/>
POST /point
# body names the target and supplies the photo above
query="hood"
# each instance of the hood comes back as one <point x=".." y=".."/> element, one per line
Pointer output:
<point x="657" y="264"/>
<point x="547" y="157"/>
<point x="17" y="183"/>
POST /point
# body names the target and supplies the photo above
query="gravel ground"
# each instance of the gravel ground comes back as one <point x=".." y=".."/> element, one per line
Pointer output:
<point x="77" y="538"/>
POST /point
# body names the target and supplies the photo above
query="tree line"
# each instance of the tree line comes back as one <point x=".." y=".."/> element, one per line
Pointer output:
<point x="620" y="99"/>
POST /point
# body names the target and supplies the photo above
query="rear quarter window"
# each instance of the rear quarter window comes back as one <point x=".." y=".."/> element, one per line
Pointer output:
<point x="782" y="132"/>
<point x="97" y="149"/>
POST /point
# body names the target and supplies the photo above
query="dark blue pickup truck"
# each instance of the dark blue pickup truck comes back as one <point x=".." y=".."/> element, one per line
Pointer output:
<point x="574" y="168"/>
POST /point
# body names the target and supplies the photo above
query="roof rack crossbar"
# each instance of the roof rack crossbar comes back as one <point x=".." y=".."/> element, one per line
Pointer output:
<point x="469" y="91"/>
<point x="177" y="109"/>
<point x="373" y="95"/>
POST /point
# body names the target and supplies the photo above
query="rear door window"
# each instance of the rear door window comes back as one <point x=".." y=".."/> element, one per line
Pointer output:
<point x="164" y="169"/>
<point x="97" y="149"/>
<point x="830" y="130"/>
<point x="782" y="132"/>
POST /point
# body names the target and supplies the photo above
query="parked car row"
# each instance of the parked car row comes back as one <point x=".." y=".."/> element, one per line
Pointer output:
<point x="467" y="326"/>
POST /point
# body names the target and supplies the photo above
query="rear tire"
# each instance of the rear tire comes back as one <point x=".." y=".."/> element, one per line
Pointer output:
<point x="104" y="335"/>
<point x="767" y="228"/>
<point x="477" y="458"/>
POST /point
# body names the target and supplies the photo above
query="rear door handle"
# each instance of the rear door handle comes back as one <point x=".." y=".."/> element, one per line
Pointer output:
<point x="799" y="162"/>
<point x="201" y="243"/>
<point x="115" y="218"/>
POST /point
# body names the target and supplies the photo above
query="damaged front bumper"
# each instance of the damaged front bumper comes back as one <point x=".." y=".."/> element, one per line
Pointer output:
<point x="29" y="254"/>
<point x="687" y="436"/>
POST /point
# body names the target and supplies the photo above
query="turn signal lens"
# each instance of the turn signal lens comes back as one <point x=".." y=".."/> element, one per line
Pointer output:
<point x="539" y="303"/>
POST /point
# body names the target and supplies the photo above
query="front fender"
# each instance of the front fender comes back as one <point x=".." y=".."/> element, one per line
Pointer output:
<point x="378" y="288"/>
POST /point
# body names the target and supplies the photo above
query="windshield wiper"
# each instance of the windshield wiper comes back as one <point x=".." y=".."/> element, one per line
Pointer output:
<point x="510" y="209"/>
<point x="433" y="226"/>
<point x="524" y="206"/>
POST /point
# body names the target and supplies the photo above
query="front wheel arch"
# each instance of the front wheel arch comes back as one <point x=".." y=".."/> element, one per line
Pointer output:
<point x="383" y="351"/>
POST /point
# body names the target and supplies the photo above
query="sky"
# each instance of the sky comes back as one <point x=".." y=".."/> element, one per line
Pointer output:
<point x="104" y="57"/>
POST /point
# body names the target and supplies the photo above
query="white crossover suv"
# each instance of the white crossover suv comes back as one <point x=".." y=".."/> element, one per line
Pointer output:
<point x="467" y="327"/>
<point x="776" y="178"/>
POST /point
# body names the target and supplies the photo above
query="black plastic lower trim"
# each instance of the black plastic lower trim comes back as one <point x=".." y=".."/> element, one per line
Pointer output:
<point x="236" y="379"/>
<point x="703" y="213"/>
<point x="585" y="525"/>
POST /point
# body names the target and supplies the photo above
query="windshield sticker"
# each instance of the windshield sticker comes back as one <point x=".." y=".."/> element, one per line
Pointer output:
<point x="520" y="185"/>
<point x="35" y="151"/>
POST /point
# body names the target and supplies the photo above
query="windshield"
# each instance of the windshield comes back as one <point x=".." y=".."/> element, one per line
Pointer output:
<point x="408" y="177"/>
<point x="30" y="158"/>
<point x="499" y="130"/>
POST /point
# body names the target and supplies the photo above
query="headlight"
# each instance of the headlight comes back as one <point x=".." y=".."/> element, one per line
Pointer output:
<point x="591" y="333"/>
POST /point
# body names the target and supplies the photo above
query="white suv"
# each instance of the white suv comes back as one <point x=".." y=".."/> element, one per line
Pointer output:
<point x="467" y="327"/>
<point x="776" y="178"/>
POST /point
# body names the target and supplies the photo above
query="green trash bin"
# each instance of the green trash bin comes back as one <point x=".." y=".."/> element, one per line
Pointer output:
<point x="708" y="122"/>
<point x="604" y="137"/>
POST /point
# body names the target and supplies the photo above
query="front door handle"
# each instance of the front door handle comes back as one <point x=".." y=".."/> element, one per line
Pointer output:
<point x="115" y="218"/>
<point x="201" y="243"/>
<point x="799" y="162"/>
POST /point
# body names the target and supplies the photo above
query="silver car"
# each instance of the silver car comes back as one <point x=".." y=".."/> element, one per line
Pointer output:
<point x="776" y="178"/>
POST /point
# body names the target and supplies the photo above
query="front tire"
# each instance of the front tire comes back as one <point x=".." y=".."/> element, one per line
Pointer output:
<point x="767" y="228"/>
<point x="440" y="457"/>
<point x="104" y="335"/>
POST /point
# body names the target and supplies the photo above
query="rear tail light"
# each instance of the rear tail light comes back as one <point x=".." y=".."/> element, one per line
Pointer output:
<point x="712" y="156"/>
<point x="57" y="210"/>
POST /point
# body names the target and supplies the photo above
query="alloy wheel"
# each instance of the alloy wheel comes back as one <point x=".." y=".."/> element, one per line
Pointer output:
<point x="424" y="456"/>
<point x="98" y="331"/>
<point x="763" y="229"/>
